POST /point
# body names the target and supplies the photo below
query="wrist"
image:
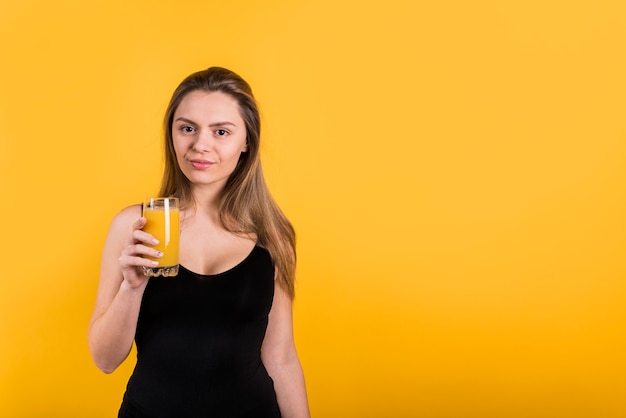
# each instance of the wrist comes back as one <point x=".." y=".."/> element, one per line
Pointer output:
<point x="133" y="286"/>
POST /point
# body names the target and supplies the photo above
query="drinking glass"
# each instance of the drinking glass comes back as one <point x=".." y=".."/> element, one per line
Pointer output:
<point x="163" y="222"/>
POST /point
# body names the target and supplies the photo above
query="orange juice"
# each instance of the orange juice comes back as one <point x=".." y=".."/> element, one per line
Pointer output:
<point x="163" y="222"/>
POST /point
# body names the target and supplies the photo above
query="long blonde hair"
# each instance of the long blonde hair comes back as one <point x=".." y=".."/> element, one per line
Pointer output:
<point x="246" y="205"/>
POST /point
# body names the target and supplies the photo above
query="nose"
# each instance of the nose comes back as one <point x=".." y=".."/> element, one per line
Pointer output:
<point x="203" y="141"/>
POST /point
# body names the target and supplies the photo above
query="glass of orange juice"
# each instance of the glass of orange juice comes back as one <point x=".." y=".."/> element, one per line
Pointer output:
<point x="163" y="222"/>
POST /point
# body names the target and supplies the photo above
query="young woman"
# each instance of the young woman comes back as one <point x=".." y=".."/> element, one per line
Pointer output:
<point x="217" y="340"/>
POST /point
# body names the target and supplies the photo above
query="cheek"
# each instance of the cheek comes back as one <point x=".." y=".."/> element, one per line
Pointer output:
<point x="179" y="149"/>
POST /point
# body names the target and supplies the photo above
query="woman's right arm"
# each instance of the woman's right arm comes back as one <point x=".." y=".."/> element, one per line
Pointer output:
<point x="114" y="320"/>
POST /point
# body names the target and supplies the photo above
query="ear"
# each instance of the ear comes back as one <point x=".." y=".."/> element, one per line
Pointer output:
<point x="245" y="147"/>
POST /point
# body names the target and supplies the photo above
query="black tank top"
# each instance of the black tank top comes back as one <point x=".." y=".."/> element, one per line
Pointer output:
<point x="199" y="343"/>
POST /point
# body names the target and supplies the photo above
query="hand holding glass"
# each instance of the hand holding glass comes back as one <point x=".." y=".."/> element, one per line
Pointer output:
<point x="163" y="222"/>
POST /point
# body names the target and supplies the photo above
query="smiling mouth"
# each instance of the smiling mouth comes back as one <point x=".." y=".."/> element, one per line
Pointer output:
<point x="201" y="164"/>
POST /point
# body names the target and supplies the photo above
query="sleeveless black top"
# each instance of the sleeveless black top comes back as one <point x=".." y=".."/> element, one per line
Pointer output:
<point x="199" y="343"/>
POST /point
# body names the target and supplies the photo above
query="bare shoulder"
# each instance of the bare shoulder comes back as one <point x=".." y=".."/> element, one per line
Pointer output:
<point x="120" y="229"/>
<point x="126" y="216"/>
<point x="124" y="219"/>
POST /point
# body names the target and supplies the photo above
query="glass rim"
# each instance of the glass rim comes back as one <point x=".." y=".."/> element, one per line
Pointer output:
<point x="160" y="202"/>
<point x="148" y="199"/>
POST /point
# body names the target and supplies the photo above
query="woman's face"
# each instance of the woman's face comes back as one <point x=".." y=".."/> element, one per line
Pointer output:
<point x="209" y="136"/>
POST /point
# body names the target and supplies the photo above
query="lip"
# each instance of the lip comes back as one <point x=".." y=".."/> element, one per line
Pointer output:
<point x="201" y="164"/>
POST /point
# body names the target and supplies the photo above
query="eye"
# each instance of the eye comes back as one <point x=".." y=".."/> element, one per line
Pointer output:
<point x="186" y="129"/>
<point x="221" y="132"/>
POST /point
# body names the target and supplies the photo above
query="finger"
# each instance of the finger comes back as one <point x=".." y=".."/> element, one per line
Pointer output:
<point x="140" y="223"/>
<point x="137" y="226"/>
<point x="129" y="261"/>
<point x="142" y="236"/>
<point x="141" y="250"/>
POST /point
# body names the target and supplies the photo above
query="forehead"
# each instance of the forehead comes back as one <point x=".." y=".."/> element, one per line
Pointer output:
<point x="204" y="105"/>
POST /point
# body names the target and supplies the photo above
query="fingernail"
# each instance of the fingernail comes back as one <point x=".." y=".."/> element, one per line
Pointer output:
<point x="159" y="254"/>
<point x="154" y="263"/>
<point x="155" y="241"/>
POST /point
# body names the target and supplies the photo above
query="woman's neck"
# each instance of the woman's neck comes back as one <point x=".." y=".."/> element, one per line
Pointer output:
<point x="206" y="197"/>
<point x="205" y="203"/>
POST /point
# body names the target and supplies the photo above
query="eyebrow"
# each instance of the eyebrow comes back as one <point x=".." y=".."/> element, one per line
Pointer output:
<point x="211" y="125"/>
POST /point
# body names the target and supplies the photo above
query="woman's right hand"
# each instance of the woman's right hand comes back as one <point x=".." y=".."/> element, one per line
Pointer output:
<point x="131" y="261"/>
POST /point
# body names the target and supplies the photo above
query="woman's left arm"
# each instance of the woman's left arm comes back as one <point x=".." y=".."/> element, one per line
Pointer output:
<point x="281" y="360"/>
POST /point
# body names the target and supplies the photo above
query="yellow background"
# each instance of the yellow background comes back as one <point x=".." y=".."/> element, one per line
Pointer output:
<point x="455" y="171"/>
